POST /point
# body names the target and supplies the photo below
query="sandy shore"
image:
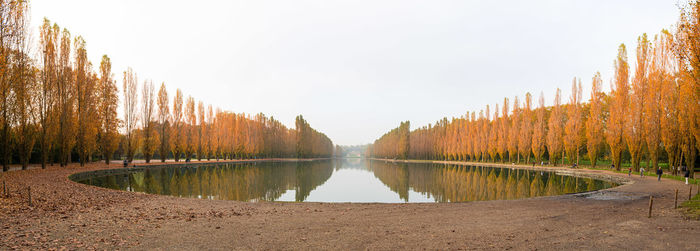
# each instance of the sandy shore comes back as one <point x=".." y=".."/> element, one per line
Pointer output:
<point x="66" y="214"/>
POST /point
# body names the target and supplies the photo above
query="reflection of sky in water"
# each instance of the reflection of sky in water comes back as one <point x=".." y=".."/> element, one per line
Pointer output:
<point x="350" y="180"/>
<point x="353" y="184"/>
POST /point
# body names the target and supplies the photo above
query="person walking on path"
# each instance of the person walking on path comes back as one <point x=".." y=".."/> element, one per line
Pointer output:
<point x="659" y="172"/>
<point x="641" y="172"/>
<point x="686" y="174"/>
<point x="629" y="174"/>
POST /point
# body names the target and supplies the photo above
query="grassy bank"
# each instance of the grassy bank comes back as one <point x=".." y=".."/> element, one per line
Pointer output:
<point x="692" y="207"/>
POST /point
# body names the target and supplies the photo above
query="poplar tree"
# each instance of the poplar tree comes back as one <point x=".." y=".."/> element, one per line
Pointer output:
<point x="661" y="59"/>
<point x="503" y="128"/>
<point x="555" y="132"/>
<point x="86" y="110"/>
<point x="190" y="127"/>
<point x="525" y="137"/>
<point x="178" y="138"/>
<point x="595" y="123"/>
<point x="147" y="116"/>
<point x="688" y="48"/>
<point x="46" y="96"/>
<point x="618" y="106"/>
<point x="634" y="127"/>
<point x="539" y="131"/>
<point x="130" y="113"/>
<point x="164" y="122"/>
<point x="66" y="101"/>
<point x="211" y="132"/>
<point x="573" y="133"/>
<point x="514" y="133"/>
<point x="201" y="130"/>
<point x="6" y="31"/>
<point x="23" y="78"/>
<point x="108" y="100"/>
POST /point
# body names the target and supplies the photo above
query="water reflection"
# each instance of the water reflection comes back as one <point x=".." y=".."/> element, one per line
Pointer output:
<point x="458" y="183"/>
<point x="350" y="180"/>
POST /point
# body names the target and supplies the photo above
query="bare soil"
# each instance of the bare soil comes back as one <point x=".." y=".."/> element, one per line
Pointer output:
<point x="68" y="215"/>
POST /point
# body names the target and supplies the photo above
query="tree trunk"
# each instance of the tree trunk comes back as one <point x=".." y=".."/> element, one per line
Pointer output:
<point x="5" y="148"/>
<point x="617" y="159"/>
<point x="690" y="160"/>
<point x="578" y="157"/>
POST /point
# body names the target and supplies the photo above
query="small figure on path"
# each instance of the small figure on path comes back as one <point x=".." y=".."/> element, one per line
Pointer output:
<point x="659" y="172"/>
<point x="629" y="174"/>
<point x="641" y="172"/>
<point x="612" y="166"/>
<point x="686" y="174"/>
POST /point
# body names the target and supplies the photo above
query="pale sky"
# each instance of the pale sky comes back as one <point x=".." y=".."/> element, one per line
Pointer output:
<point x="355" y="69"/>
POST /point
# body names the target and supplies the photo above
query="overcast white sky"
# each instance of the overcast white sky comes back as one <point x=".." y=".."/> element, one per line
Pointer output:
<point x="354" y="69"/>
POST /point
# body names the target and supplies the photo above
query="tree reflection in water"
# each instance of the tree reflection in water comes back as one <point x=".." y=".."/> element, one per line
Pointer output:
<point x="459" y="183"/>
<point x="268" y="181"/>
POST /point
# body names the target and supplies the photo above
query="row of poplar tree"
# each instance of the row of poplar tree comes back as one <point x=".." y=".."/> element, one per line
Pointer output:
<point x="55" y="108"/>
<point x="653" y="114"/>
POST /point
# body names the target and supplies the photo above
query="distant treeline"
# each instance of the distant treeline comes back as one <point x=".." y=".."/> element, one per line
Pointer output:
<point x="652" y="115"/>
<point x="351" y="150"/>
<point x="55" y="108"/>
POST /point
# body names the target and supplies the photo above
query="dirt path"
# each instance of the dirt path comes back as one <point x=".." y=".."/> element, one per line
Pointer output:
<point x="76" y="216"/>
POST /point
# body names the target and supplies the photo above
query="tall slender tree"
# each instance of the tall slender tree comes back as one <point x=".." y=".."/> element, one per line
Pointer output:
<point x="595" y="123"/>
<point x="108" y="100"/>
<point x="210" y="132"/>
<point x="618" y="105"/>
<point x="46" y="97"/>
<point x="85" y="90"/>
<point x="190" y="127"/>
<point x="670" y="132"/>
<point x="555" y="132"/>
<point x="23" y="85"/>
<point x="178" y="137"/>
<point x="514" y="133"/>
<point x="493" y="135"/>
<point x="130" y="113"/>
<point x="634" y="131"/>
<point x="525" y="137"/>
<point x="503" y="131"/>
<point x="485" y="136"/>
<point x="201" y="130"/>
<point x="404" y="138"/>
<point x="688" y="48"/>
<point x="573" y="133"/>
<point x="539" y="131"/>
<point x="66" y="96"/>
<point x="147" y="116"/>
<point x="652" y="109"/>
<point x="164" y="122"/>
<point x="6" y="32"/>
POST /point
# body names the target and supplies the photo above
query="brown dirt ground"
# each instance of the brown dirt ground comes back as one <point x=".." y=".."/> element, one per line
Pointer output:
<point x="69" y="215"/>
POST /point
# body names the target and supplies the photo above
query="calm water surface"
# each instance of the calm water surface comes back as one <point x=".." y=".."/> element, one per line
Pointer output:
<point x="350" y="180"/>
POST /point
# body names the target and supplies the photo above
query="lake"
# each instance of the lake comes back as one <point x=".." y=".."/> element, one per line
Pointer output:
<point x="345" y="180"/>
